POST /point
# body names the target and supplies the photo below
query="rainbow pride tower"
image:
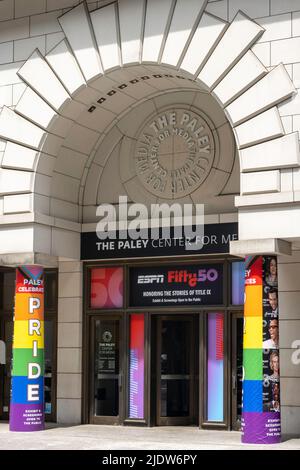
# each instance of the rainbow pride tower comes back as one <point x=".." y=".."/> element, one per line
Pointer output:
<point x="27" y="389"/>
<point x="261" y="394"/>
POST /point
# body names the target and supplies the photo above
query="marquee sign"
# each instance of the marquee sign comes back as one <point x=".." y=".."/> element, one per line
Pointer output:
<point x="27" y="394"/>
<point x="215" y="240"/>
<point x="171" y="286"/>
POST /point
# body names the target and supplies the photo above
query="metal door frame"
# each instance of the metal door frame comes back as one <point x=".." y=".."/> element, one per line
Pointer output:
<point x="177" y="421"/>
<point x="235" y="425"/>
<point x="108" y="420"/>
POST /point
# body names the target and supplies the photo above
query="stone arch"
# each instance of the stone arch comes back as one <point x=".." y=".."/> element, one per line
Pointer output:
<point x="77" y="93"/>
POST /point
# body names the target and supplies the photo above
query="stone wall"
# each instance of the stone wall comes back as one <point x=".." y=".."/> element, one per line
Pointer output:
<point x="33" y="24"/>
<point x="27" y="25"/>
<point x="289" y="341"/>
<point x="69" y="352"/>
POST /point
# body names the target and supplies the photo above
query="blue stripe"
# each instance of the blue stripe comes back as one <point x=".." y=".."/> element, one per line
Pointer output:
<point x="253" y="396"/>
<point x="19" y="390"/>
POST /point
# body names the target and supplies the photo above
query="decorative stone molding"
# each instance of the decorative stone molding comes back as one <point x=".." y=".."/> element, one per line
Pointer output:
<point x="67" y="123"/>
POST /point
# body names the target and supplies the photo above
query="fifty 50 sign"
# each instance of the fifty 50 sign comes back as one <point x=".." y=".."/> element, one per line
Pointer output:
<point x="187" y="285"/>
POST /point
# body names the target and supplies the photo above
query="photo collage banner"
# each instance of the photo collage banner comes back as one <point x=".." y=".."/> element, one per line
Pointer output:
<point x="261" y="384"/>
<point x="27" y="387"/>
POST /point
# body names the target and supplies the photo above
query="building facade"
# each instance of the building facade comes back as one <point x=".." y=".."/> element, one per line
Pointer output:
<point x="173" y="101"/>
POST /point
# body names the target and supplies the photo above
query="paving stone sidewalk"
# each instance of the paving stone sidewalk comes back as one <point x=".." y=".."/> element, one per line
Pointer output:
<point x="89" y="437"/>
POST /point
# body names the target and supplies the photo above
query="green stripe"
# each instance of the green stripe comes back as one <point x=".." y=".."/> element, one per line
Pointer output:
<point x="22" y="357"/>
<point x="253" y="364"/>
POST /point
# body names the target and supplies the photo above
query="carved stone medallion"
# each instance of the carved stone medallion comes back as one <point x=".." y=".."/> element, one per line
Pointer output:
<point x="174" y="153"/>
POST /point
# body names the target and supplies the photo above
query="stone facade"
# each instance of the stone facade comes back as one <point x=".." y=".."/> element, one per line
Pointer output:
<point x="73" y="105"/>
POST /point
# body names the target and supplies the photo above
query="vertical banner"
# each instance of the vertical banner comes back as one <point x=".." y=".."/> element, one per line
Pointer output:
<point x="27" y="386"/>
<point x="261" y="385"/>
<point x="136" y="367"/>
<point x="215" y="367"/>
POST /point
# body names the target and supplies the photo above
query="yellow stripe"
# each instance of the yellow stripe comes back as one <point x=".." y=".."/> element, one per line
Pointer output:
<point x="22" y="307"/>
<point x="253" y="333"/>
<point x="22" y="338"/>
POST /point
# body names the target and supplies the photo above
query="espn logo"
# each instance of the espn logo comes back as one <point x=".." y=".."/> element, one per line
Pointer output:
<point x="151" y="279"/>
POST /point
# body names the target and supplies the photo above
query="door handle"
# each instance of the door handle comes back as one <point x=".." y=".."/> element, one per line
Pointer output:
<point x="2" y="352"/>
<point x="120" y="380"/>
<point x="234" y="382"/>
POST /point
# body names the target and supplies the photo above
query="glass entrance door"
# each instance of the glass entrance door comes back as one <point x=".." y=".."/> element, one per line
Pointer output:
<point x="237" y="369"/>
<point x="6" y="327"/>
<point x="106" y="383"/>
<point x="176" y="371"/>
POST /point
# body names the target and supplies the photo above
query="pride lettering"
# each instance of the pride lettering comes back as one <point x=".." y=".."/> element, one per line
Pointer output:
<point x="27" y="389"/>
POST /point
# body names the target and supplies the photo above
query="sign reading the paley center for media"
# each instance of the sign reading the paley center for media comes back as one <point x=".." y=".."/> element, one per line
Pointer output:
<point x="216" y="239"/>
<point x="170" y="286"/>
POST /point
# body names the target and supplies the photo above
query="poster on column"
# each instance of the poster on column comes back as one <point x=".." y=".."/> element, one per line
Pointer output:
<point x="271" y="382"/>
<point x="252" y="352"/>
<point x="261" y="385"/>
<point x="27" y="385"/>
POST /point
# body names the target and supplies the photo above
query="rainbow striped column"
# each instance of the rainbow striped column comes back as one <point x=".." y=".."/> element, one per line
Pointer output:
<point x="27" y="387"/>
<point x="261" y="404"/>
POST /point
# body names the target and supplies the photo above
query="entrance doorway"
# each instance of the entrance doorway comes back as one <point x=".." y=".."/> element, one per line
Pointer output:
<point x="176" y="366"/>
<point x="6" y="335"/>
<point x="106" y="376"/>
<point x="151" y="365"/>
<point x="237" y="369"/>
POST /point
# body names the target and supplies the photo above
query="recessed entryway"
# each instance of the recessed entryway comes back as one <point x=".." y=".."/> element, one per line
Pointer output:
<point x="176" y="365"/>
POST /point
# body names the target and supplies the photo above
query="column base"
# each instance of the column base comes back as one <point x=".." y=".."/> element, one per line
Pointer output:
<point x="26" y="418"/>
<point x="261" y="428"/>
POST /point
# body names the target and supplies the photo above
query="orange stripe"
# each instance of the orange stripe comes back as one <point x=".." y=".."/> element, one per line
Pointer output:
<point x="22" y="307"/>
<point x="253" y="301"/>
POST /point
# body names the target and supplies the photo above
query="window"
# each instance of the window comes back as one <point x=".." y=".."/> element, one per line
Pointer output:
<point x="215" y="367"/>
<point x="106" y="288"/>
<point x="136" y="366"/>
<point x="237" y="282"/>
<point x="51" y="287"/>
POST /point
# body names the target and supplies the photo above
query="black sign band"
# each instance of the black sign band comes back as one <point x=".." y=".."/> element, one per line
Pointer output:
<point x="215" y="240"/>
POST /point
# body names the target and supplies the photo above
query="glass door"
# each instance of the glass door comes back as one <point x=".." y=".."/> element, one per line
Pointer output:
<point x="237" y="369"/>
<point x="176" y="371"/>
<point x="50" y="367"/>
<point x="6" y="326"/>
<point x="106" y="370"/>
<point x="7" y="289"/>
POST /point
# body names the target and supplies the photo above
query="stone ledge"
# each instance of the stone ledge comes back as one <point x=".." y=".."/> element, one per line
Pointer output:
<point x="266" y="246"/>
<point x="17" y="259"/>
